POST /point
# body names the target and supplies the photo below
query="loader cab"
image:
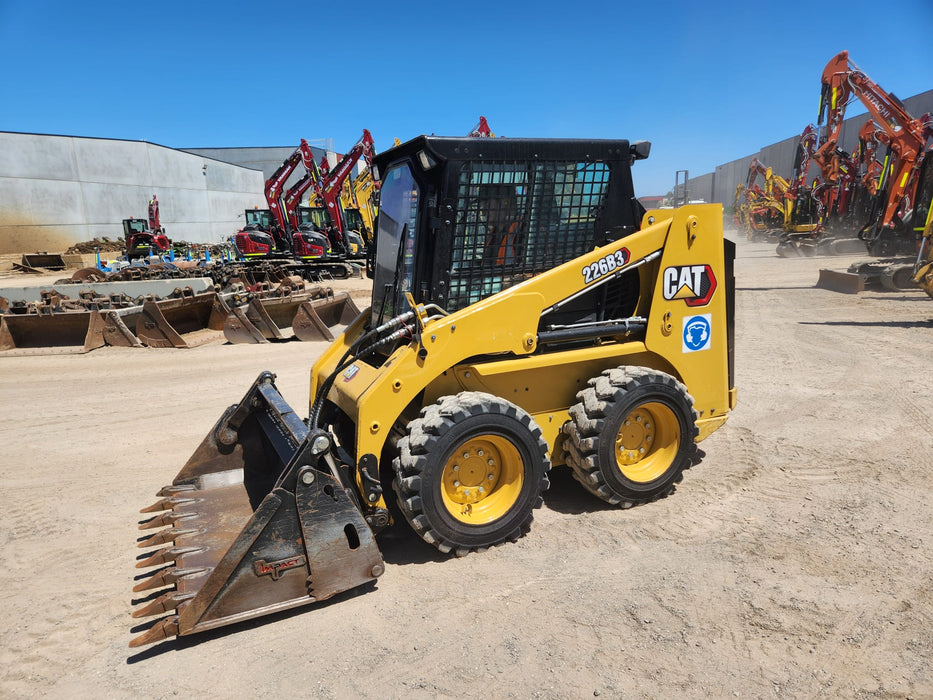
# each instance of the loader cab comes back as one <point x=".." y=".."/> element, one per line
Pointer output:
<point x="460" y="220"/>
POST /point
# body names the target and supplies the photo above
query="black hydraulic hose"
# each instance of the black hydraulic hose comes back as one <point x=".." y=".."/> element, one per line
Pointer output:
<point x="353" y="354"/>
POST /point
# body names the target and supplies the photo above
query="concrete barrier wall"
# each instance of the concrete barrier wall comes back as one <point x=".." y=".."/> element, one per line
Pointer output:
<point x="56" y="191"/>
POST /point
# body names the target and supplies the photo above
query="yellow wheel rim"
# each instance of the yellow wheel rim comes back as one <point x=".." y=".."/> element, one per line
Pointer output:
<point x="647" y="443"/>
<point x="482" y="479"/>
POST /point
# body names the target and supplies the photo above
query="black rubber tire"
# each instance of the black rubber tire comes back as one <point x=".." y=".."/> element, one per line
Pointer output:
<point x="432" y="441"/>
<point x="594" y="431"/>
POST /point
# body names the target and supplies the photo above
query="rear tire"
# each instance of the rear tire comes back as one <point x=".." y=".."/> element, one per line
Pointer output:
<point x="632" y="435"/>
<point x="470" y="471"/>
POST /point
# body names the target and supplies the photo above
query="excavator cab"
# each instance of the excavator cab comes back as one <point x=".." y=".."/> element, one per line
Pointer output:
<point x="526" y="313"/>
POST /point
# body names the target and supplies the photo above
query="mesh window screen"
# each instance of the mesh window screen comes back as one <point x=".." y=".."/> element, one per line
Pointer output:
<point x="518" y="219"/>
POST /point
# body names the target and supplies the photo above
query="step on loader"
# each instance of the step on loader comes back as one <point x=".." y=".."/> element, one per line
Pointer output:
<point x="526" y="313"/>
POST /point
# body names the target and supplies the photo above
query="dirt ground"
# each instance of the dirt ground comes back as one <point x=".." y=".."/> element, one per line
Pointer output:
<point x="794" y="561"/>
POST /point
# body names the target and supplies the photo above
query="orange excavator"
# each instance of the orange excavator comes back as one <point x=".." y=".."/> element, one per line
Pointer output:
<point x="887" y="232"/>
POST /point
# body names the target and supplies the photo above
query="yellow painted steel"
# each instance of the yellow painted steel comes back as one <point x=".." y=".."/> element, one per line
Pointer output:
<point x="503" y="329"/>
<point x="482" y="479"/>
<point x="647" y="442"/>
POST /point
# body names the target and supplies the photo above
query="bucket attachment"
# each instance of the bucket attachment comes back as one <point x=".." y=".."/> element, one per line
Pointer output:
<point x="845" y="282"/>
<point x="185" y="322"/>
<point x="309" y="315"/>
<point x="47" y="261"/>
<point x="71" y="332"/>
<point x="117" y="333"/>
<point x="314" y="319"/>
<point x="256" y="522"/>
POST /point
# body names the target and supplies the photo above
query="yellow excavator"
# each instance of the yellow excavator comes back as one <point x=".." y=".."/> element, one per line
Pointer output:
<point x="526" y="313"/>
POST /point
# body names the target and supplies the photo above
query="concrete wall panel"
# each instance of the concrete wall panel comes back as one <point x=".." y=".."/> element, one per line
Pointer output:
<point x="56" y="191"/>
<point x="37" y="156"/>
<point x="112" y="162"/>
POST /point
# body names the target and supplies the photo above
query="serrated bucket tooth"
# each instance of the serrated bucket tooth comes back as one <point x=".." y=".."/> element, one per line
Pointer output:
<point x="165" y="519"/>
<point x="163" y="537"/>
<point x="166" y="504"/>
<point x="166" y="555"/>
<point x="163" y="604"/>
<point x="164" y="577"/>
<point x="165" y="628"/>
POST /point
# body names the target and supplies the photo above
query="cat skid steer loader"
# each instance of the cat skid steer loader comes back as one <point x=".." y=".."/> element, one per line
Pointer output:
<point x="526" y="312"/>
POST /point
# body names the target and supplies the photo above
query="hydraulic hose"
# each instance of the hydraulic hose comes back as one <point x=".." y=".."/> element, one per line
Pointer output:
<point x="353" y="354"/>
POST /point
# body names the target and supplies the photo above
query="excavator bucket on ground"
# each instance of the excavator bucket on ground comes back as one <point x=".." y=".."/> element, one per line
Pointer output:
<point x="51" y="334"/>
<point x="309" y="314"/>
<point x="184" y="322"/>
<point x="46" y="261"/>
<point x="256" y="522"/>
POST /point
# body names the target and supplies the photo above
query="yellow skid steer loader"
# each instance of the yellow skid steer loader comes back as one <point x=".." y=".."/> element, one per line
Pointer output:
<point x="526" y="312"/>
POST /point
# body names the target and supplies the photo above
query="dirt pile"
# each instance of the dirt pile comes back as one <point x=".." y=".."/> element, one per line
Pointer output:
<point x="105" y="245"/>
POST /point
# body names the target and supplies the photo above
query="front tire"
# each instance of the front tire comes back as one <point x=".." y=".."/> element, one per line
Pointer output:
<point x="470" y="471"/>
<point x="632" y="435"/>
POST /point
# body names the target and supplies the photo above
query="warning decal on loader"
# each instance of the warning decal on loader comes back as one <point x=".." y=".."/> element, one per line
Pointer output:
<point x="694" y="284"/>
<point x="697" y="332"/>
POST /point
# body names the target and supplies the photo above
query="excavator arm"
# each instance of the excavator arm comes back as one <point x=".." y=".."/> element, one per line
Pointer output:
<point x="841" y="82"/>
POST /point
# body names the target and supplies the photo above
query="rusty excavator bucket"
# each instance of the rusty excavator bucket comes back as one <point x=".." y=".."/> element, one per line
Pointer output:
<point x="310" y="315"/>
<point x="51" y="333"/>
<point x="257" y="521"/>
<point x="183" y="322"/>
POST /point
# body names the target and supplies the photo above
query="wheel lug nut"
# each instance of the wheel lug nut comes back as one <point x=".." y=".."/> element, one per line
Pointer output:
<point x="642" y="450"/>
<point x="466" y="455"/>
<point x="638" y="419"/>
<point x="482" y="490"/>
<point x="479" y="452"/>
<point x="489" y="462"/>
<point x="466" y="492"/>
<point x="457" y="484"/>
<point x="491" y="477"/>
<point x="456" y="467"/>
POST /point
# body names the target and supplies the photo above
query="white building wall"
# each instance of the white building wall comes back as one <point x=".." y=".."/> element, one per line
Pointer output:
<point x="56" y="191"/>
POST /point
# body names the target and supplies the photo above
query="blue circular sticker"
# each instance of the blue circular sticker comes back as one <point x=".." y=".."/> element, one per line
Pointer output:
<point x="696" y="333"/>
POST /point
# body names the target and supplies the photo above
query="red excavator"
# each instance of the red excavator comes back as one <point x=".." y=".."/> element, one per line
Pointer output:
<point x="327" y="194"/>
<point x="145" y="238"/>
<point x="267" y="232"/>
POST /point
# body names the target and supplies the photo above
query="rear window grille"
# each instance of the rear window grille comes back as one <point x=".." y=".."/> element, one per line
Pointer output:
<point x="517" y="219"/>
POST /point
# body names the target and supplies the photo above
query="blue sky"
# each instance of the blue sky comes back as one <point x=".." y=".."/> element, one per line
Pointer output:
<point x="706" y="83"/>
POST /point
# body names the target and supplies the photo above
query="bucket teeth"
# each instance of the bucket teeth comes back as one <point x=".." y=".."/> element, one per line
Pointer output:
<point x="164" y="537"/>
<point x="164" y="519"/>
<point x="163" y="604"/>
<point x="174" y="490"/>
<point x="166" y="555"/>
<point x="163" y="629"/>
<point x="166" y="504"/>
<point x="165" y="577"/>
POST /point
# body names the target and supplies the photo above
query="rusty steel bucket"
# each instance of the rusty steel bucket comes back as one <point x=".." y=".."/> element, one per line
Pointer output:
<point x="257" y="521"/>
<point x="185" y="322"/>
<point x="69" y="332"/>
<point x="310" y="316"/>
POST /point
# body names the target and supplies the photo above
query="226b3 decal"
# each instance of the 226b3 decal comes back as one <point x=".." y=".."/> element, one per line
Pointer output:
<point x="605" y="265"/>
<point x="694" y="284"/>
